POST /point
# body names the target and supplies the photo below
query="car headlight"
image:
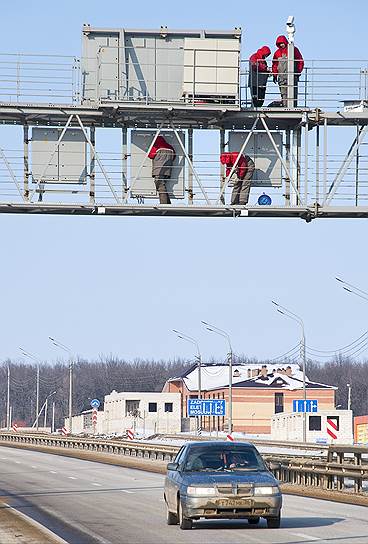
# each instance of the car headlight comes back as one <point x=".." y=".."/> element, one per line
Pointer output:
<point x="203" y="491"/>
<point x="269" y="490"/>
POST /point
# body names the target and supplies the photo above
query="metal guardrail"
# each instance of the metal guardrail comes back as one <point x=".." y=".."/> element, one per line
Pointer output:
<point x="345" y="469"/>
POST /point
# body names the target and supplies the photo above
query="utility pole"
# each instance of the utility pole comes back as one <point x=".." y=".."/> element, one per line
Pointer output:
<point x="71" y="396"/>
<point x="37" y="394"/>
<point x="53" y="418"/>
<point x="8" y="401"/>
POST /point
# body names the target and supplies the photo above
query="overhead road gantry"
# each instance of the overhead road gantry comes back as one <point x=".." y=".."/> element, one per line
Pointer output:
<point x="57" y="155"/>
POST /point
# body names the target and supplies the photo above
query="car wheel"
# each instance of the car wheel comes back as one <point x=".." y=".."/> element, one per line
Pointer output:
<point x="184" y="523"/>
<point x="253" y="521"/>
<point x="172" y="519"/>
<point x="274" y="523"/>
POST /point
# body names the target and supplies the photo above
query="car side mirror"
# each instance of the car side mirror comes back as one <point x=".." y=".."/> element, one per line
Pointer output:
<point x="172" y="466"/>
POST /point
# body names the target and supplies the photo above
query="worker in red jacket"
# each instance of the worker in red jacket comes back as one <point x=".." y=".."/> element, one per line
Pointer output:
<point x="258" y="75"/>
<point x="163" y="156"/>
<point x="280" y="68"/>
<point x="241" y="177"/>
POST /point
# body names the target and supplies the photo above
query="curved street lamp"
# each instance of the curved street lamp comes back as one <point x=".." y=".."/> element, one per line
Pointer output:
<point x="287" y="313"/>
<point x="224" y="334"/>
<point x="71" y="365"/>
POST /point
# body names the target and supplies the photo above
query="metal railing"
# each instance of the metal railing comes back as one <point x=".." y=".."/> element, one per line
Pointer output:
<point x="344" y="469"/>
<point x="57" y="79"/>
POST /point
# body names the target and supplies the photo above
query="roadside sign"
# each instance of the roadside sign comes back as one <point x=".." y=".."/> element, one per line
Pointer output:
<point x="130" y="434"/>
<point x="95" y="403"/>
<point x="204" y="407"/>
<point x="15" y="427"/>
<point x="64" y="431"/>
<point x="305" y="405"/>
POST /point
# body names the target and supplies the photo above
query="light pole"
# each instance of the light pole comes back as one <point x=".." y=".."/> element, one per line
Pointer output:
<point x="191" y="340"/>
<point x="287" y="313"/>
<point x="30" y="356"/>
<point x="224" y="334"/>
<point x="352" y="289"/>
<point x="8" y="400"/>
<point x="71" y="364"/>
<point x="46" y="405"/>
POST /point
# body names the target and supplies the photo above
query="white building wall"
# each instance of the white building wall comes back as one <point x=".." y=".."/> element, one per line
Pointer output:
<point x="289" y="427"/>
<point x="82" y="424"/>
<point x="118" y="419"/>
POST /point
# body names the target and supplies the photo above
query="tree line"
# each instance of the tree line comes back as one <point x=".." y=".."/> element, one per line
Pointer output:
<point x="95" y="379"/>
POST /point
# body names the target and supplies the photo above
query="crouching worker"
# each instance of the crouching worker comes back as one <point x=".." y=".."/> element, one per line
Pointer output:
<point x="163" y="156"/>
<point x="258" y="75"/>
<point x="241" y="177"/>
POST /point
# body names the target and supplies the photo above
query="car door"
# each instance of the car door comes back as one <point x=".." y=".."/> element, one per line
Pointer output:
<point x="171" y="484"/>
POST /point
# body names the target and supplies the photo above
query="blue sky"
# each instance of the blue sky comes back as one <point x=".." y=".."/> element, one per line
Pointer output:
<point x="119" y="285"/>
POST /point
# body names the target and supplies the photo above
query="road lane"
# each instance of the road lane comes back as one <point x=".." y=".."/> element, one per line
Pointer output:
<point x="88" y="502"/>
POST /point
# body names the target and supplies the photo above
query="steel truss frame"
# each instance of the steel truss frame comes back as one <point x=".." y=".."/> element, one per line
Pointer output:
<point x="295" y="122"/>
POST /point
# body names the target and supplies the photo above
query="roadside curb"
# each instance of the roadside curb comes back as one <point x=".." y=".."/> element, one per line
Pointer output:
<point x="51" y="536"/>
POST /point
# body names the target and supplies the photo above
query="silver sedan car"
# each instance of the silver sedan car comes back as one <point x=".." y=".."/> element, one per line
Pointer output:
<point x="215" y="480"/>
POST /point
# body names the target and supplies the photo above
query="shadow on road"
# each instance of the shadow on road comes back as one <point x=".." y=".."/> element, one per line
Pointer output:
<point x="286" y="523"/>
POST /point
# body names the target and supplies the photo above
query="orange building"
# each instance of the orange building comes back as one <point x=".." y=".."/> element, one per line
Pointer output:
<point x="257" y="393"/>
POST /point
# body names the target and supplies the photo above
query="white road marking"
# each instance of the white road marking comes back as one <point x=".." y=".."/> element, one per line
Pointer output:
<point x="307" y="537"/>
<point x="94" y="483"/>
<point x="33" y="466"/>
<point x="4" y="458"/>
<point x="53" y="472"/>
<point x="127" y="491"/>
<point x="72" y="478"/>
<point x="18" y="462"/>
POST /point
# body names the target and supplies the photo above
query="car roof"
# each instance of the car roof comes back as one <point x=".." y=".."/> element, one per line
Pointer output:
<point x="217" y="443"/>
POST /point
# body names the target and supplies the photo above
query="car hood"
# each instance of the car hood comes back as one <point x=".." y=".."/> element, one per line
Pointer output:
<point x="216" y="478"/>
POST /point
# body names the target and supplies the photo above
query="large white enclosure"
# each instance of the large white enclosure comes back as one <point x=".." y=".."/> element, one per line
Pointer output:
<point x="268" y="172"/>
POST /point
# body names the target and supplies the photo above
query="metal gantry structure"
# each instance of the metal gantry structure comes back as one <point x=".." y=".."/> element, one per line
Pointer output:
<point x="77" y="123"/>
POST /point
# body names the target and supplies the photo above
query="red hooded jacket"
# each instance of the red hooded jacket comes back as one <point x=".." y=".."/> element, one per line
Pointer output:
<point x="257" y="60"/>
<point x="160" y="143"/>
<point x="299" y="62"/>
<point x="229" y="159"/>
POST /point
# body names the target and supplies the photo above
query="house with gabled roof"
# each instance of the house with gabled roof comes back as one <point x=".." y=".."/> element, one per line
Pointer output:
<point x="258" y="392"/>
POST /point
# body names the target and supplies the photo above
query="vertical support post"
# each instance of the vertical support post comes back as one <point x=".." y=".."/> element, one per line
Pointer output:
<point x="45" y="414"/>
<point x="25" y="163"/>
<point x="231" y="391"/>
<point x="8" y="400"/>
<point x="124" y="162"/>
<point x="70" y="396"/>
<point x="298" y="158"/>
<point x="357" y="172"/>
<point x="92" y="174"/>
<point x="290" y="76"/>
<point x="37" y="394"/>
<point x="190" y="173"/>
<point x="288" y="162"/>
<point x="306" y="132"/>
<point x="325" y="151"/>
<point x="223" y="170"/>
<point x="317" y="164"/>
<point x="53" y="418"/>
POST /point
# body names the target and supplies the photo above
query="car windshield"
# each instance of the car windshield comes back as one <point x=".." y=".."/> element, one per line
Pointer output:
<point x="209" y="459"/>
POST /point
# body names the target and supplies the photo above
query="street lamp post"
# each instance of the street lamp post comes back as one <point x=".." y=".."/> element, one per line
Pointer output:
<point x="191" y="340"/>
<point x="71" y="364"/>
<point x="224" y="334"/>
<point x="30" y="356"/>
<point x="287" y="313"/>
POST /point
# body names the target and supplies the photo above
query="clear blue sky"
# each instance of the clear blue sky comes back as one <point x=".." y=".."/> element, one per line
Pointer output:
<point x="119" y="285"/>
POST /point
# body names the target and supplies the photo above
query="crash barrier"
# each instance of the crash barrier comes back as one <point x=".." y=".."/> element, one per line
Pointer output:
<point x="344" y="469"/>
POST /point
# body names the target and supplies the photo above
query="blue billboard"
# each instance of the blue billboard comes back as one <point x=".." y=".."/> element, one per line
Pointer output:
<point x="202" y="407"/>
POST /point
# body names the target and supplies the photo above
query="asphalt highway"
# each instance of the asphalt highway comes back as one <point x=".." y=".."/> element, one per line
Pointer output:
<point x="86" y="503"/>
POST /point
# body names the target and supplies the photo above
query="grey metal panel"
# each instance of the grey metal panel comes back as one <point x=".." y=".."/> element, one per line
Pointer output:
<point x="144" y="186"/>
<point x="69" y="163"/>
<point x="268" y="172"/>
<point x="108" y="70"/>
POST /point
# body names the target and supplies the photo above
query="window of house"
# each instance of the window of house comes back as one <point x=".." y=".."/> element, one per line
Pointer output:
<point x="131" y="406"/>
<point x="314" y="423"/>
<point x="152" y="406"/>
<point x="168" y="406"/>
<point x="279" y="402"/>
